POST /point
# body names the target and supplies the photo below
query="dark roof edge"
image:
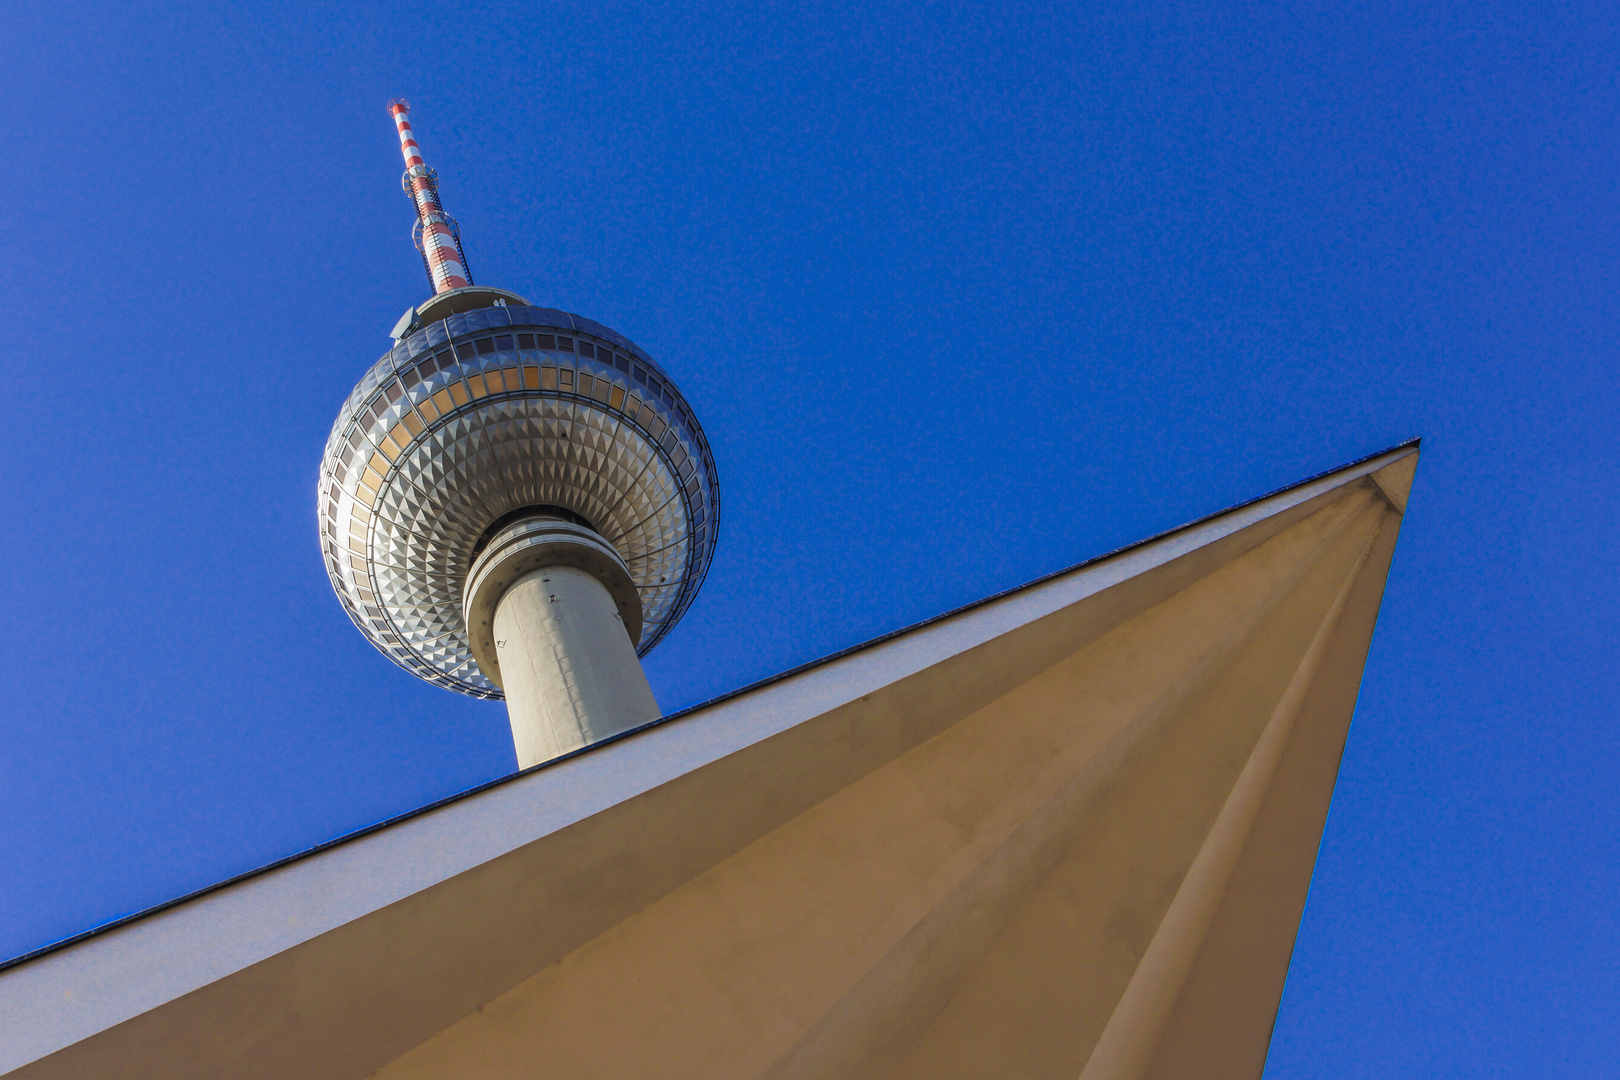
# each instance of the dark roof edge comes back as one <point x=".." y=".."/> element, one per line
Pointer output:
<point x="125" y="920"/>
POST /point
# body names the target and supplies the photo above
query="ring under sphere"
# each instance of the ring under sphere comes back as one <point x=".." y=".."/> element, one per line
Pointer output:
<point x="484" y="413"/>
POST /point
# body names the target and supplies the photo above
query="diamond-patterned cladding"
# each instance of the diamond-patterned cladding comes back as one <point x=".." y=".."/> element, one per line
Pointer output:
<point x="483" y="413"/>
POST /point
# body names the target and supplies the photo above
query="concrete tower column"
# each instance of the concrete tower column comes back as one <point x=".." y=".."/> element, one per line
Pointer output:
<point x="553" y="617"/>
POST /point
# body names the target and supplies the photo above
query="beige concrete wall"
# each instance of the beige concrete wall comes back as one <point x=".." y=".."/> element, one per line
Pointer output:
<point x="1066" y="832"/>
<point x="981" y="904"/>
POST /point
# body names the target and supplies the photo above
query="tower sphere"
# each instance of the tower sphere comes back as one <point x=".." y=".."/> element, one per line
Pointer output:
<point x="488" y="410"/>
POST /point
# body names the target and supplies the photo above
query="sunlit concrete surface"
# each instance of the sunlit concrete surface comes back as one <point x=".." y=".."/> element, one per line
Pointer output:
<point x="1067" y="832"/>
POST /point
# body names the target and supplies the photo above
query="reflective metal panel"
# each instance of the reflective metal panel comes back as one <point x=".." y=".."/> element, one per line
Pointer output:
<point x="487" y="412"/>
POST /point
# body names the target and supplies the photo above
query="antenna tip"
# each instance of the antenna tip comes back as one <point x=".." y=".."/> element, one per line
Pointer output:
<point x="398" y="107"/>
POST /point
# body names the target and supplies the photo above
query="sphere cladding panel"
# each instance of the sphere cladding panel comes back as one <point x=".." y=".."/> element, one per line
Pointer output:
<point x="486" y="412"/>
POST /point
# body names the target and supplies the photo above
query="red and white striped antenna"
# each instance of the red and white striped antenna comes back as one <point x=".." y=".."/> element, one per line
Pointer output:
<point x="437" y="236"/>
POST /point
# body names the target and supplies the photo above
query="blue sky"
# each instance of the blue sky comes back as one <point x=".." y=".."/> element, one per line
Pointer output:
<point x="961" y="295"/>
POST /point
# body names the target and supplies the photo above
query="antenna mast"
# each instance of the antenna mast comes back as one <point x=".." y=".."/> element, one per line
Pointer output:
<point x="437" y="236"/>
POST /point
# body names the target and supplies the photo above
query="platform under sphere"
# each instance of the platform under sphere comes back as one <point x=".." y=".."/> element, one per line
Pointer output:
<point x="475" y="416"/>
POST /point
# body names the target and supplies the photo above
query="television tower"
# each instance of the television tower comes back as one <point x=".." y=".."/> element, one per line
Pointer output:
<point x="515" y="501"/>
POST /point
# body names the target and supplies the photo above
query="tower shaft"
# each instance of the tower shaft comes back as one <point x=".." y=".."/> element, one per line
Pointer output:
<point x="570" y="674"/>
<point x="438" y="239"/>
<point x="552" y="615"/>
